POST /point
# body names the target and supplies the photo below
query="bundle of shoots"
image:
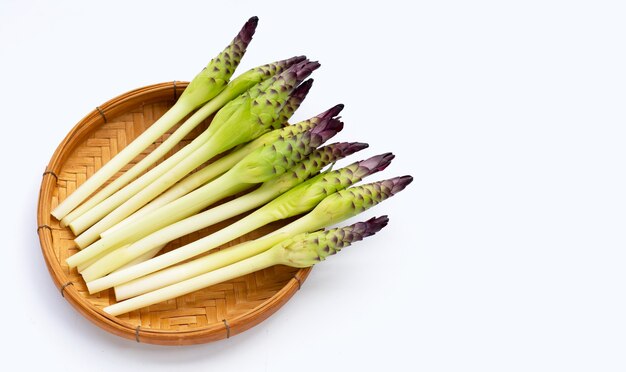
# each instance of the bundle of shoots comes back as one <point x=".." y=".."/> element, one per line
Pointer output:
<point x="250" y="118"/>
<point x="298" y="200"/>
<point x="267" y="192"/>
<point x="301" y="251"/>
<point x="259" y="166"/>
<point x="205" y="86"/>
<point x="223" y="164"/>
<point x="333" y="209"/>
<point x="235" y="88"/>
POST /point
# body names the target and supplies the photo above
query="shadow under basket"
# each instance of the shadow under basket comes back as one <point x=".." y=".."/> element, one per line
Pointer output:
<point x="211" y="314"/>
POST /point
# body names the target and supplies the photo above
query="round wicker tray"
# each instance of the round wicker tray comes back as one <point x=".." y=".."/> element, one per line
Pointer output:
<point x="211" y="314"/>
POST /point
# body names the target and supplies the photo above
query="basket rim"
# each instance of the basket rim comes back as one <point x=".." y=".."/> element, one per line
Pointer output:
<point x="216" y="331"/>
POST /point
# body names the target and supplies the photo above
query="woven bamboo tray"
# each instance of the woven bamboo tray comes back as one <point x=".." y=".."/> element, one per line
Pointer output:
<point x="211" y="314"/>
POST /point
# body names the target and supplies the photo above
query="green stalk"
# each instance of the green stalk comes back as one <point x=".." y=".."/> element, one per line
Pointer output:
<point x="260" y="166"/>
<point x="206" y="85"/>
<point x="223" y="164"/>
<point x="304" y="250"/>
<point x="97" y="209"/>
<point x="249" y="121"/>
<point x="268" y="191"/>
<point x="235" y="88"/>
<point x="299" y="199"/>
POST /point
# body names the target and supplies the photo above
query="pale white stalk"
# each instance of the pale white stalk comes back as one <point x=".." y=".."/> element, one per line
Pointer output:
<point x="188" y="225"/>
<point x="238" y="269"/>
<point x="182" y="188"/>
<point x="144" y="257"/>
<point x="205" y="111"/>
<point x="84" y="265"/>
<point x="303" y="250"/>
<point x="96" y="213"/>
<point x="223" y="236"/>
<point x="203" y="153"/>
<point x="197" y="179"/>
<point x="210" y="262"/>
<point x="169" y="119"/>
<point x="190" y="204"/>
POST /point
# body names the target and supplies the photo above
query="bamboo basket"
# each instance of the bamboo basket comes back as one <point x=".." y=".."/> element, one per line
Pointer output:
<point x="211" y="314"/>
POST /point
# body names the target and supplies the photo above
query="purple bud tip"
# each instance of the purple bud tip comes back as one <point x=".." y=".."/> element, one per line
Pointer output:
<point x="294" y="60"/>
<point x="399" y="183"/>
<point x="334" y="111"/>
<point x="343" y="149"/>
<point x="245" y="35"/>
<point x="348" y="148"/>
<point x="325" y="130"/>
<point x="371" y="226"/>
<point x="294" y="67"/>
<point x="304" y="69"/>
<point x="377" y="163"/>
<point x="303" y="89"/>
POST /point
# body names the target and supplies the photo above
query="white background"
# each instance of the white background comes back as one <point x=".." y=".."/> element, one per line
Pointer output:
<point x="505" y="254"/>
